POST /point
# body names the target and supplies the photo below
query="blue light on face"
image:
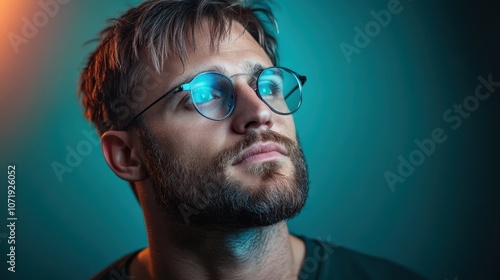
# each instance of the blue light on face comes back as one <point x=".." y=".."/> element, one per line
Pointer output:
<point x="241" y="244"/>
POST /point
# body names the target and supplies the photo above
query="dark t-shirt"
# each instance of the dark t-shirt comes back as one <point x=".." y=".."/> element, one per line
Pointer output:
<point x="323" y="261"/>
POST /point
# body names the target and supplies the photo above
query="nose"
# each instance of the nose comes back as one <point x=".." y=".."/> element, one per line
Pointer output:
<point x="250" y="113"/>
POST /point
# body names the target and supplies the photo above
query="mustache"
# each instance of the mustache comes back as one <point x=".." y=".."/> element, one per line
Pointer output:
<point x="251" y="138"/>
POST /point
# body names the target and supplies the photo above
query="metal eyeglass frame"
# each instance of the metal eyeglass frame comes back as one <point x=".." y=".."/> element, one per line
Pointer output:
<point x="301" y="80"/>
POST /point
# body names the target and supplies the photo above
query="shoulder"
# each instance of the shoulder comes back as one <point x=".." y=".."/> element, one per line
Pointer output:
<point x="117" y="270"/>
<point x="324" y="260"/>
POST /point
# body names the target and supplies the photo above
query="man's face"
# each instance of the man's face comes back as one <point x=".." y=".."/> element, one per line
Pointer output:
<point x="246" y="170"/>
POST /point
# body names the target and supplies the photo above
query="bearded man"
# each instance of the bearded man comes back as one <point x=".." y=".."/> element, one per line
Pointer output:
<point x="195" y="114"/>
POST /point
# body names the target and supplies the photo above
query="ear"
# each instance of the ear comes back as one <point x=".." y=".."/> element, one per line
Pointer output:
<point x="123" y="154"/>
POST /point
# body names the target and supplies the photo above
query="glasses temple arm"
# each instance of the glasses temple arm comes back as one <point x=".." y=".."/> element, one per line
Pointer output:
<point x="302" y="80"/>
<point x="174" y="91"/>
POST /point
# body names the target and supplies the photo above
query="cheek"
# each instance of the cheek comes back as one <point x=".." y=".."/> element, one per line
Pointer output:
<point x="195" y="142"/>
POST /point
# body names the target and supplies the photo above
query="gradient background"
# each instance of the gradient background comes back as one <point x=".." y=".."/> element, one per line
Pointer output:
<point x="356" y="119"/>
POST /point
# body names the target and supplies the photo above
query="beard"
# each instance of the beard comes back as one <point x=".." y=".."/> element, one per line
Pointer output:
<point x="201" y="192"/>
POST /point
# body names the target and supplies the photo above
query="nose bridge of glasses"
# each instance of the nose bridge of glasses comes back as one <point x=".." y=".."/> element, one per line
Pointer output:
<point x="250" y="80"/>
<point x="242" y="83"/>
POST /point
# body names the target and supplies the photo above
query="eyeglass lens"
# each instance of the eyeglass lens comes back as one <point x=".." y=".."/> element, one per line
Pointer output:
<point x="213" y="94"/>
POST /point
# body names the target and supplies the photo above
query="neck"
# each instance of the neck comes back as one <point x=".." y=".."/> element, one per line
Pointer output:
<point x="220" y="253"/>
<point x="186" y="251"/>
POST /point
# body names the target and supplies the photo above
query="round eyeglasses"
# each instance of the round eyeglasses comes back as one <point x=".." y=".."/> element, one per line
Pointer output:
<point x="214" y="96"/>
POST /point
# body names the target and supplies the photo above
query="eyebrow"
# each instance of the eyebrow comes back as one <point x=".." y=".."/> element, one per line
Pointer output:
<point x="253" y="68"/>
<point x="213" y="68"/>
<point x="249" y="67"/>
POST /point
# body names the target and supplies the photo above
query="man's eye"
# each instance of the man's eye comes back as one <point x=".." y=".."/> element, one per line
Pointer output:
<point x="270" y="87"/>
<point x="202" y="95"/>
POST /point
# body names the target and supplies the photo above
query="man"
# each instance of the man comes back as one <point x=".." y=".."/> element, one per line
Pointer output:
<point x="195" y="114"/>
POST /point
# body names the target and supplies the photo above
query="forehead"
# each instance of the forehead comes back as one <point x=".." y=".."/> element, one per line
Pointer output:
<point x="232" y="53"/>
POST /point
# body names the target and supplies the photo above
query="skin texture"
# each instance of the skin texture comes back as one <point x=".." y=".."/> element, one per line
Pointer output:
<point x="182" y="251"/>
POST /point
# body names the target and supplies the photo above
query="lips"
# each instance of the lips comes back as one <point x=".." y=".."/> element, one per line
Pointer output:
<point x="260" y="150"/>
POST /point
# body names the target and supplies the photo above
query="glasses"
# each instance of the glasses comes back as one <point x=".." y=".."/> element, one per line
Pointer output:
<point x="214" y="96"/>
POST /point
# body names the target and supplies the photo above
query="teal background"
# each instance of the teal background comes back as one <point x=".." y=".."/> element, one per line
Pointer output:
<point x="356" y="119"/>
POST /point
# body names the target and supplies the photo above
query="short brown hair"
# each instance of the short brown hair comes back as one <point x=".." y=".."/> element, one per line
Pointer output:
<point x="156" y="30"/>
